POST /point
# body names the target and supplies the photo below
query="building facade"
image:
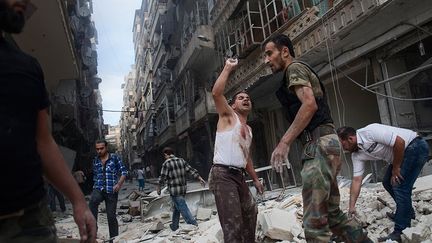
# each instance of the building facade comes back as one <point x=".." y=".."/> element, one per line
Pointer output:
<point x="375" y="69"/>
<point x="62" y="37"/>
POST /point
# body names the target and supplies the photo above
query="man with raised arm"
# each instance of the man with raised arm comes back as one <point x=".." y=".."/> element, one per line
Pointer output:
<point x="236" y="207"/>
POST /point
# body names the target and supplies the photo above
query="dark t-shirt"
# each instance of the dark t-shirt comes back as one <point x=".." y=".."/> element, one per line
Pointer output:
<point x="22" y="96"/>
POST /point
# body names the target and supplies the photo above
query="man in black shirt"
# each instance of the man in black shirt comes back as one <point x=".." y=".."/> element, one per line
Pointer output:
<point x="27" y="148"/>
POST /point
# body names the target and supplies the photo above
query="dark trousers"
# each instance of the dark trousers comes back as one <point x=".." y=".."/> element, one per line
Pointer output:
<point x="53" y="194"/>
<point x="33" y="224"/>
<point x="111" y="206"/>
<point x="415" y="157"/>
<point x="236" y="207"/>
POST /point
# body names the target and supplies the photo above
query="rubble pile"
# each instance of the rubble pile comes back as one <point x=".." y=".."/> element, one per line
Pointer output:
<point x="279" y="218"/>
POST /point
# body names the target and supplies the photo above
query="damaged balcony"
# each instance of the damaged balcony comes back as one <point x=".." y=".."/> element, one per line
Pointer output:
<point x="197" y="41"/>
<point x="351" y="30"/>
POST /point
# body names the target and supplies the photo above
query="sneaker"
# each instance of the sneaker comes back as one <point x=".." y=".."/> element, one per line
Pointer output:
<point x="391" y="216"/>
<point x="172" y="227"/>
<point x="394" y="236"/>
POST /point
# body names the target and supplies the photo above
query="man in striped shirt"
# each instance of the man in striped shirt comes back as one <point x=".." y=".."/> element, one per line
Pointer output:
<point x="173" y="172"/>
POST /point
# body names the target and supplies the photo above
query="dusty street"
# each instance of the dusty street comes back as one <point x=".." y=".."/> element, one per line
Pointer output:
<point x="279" y="218"/>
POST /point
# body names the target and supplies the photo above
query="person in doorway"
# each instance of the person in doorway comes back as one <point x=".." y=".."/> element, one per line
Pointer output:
<point x="140" y="177"/>
<point x="173" y="172"/>
<point x="303" y="96"/>
<point x="107" y="168"/>
<point x="27" y="146"/>
<point x="404" y="150"/>
<point x="236" y="207"/>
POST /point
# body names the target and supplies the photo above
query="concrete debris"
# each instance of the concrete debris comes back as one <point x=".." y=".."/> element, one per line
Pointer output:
<point x="280" y="224"/>
<point x="156" y="226"/>
<point x="126" y="218"/>
<point x="278" y="221"/>
<point x="204" y="213"/>
<point x="134" y="208"/>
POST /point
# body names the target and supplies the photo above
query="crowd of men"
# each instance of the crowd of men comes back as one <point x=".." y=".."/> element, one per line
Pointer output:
<point x="30" y="155"/>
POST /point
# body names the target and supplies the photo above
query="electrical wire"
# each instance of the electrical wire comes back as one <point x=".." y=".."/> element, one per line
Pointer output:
<point x="380" y="94"/>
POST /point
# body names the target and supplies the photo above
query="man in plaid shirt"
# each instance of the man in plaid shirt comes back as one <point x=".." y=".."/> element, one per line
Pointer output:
<point x="174" y="172"/>
<point x="106" y="169"/>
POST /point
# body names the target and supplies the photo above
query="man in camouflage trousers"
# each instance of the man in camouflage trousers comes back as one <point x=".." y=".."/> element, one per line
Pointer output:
<point x="303" y="96"/>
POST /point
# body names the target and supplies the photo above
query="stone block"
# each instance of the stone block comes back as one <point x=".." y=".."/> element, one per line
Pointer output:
<point x="280" y="224"/>
<point x="204" y="213"/>
<point x="156" y="226"/>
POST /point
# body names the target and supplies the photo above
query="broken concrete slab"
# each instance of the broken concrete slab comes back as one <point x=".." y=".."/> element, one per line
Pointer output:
<point x="204" y="213"/>
<point x="280" y="224"/>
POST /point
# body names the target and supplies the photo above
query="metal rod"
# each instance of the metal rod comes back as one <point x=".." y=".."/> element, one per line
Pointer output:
<point x="400" y="76"/>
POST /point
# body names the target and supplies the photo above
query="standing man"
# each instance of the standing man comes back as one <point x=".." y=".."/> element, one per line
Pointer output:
<point x="236" y="207"/>
<point x="53" y="194"/>
<point x="174" y="172"/>
<point x="27" y="147"/>
<point x="303" y="96"/>
<point x="140" y="177"/>
<point x="404" y="150"/>
<point x="106" y="170"/>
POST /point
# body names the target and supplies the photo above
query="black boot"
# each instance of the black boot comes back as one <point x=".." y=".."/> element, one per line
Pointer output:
<point x="395" y="236"/>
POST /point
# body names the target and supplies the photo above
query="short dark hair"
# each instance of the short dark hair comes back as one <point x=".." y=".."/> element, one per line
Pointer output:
<point x="102" y="141"/>
<point x="168" y="150"/>
<point x="280" y="41"/>
<point x="234" y="97"/>
<point x="345" y="132"/>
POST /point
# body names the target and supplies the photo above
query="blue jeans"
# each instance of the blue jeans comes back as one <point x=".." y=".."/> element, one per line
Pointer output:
<point x="111" y="206"/>
<point x="414" y="159"/>
<point x="180" y="207"/>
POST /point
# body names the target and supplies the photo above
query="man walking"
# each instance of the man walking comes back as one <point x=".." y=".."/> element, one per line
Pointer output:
<point x="173" y="172"/>
<point x="236" y="207"/>
<point x="27" y="147"/>
<point x="106" y="170"/>
<point x="303" y="96"/>
<point x="404" y="150"/>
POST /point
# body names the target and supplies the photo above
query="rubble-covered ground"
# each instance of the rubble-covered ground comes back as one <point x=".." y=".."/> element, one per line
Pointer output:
<point x="279" y="218"/>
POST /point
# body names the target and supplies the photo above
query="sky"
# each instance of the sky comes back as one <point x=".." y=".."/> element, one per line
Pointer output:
<point x="114" y="22"/>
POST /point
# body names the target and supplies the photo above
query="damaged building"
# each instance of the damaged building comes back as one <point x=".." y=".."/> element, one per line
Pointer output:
<point x="374" y="57"/>
<point x="62" y="37"/>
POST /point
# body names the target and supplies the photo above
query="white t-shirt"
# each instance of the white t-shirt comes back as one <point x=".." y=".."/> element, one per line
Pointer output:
<point x="140" y="174"/>
<point x="376" y="142"/>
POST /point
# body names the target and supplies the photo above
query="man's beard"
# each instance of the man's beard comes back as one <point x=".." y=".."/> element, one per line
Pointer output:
<point x="10" y="21"/>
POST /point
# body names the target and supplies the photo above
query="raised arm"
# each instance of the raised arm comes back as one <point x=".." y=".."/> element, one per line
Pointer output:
<point x="222" y="106"/>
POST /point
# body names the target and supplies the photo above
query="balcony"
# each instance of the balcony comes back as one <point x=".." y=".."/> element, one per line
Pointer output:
<point x="205" y="105"/>
<point x="198" y="51"/>
<point x="164" y="127"/>
<point x="352" y="30"/>
<point x="182" y="121"/>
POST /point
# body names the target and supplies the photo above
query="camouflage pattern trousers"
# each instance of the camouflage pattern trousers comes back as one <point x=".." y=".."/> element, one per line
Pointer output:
<point x="34" y="224"/>
<point x="236" y="207"/>
<point x="321" y="210"/>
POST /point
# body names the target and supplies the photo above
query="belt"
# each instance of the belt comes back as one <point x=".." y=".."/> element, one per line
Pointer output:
<point x="320" y="131"/>
<point x="231" y="168"/>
